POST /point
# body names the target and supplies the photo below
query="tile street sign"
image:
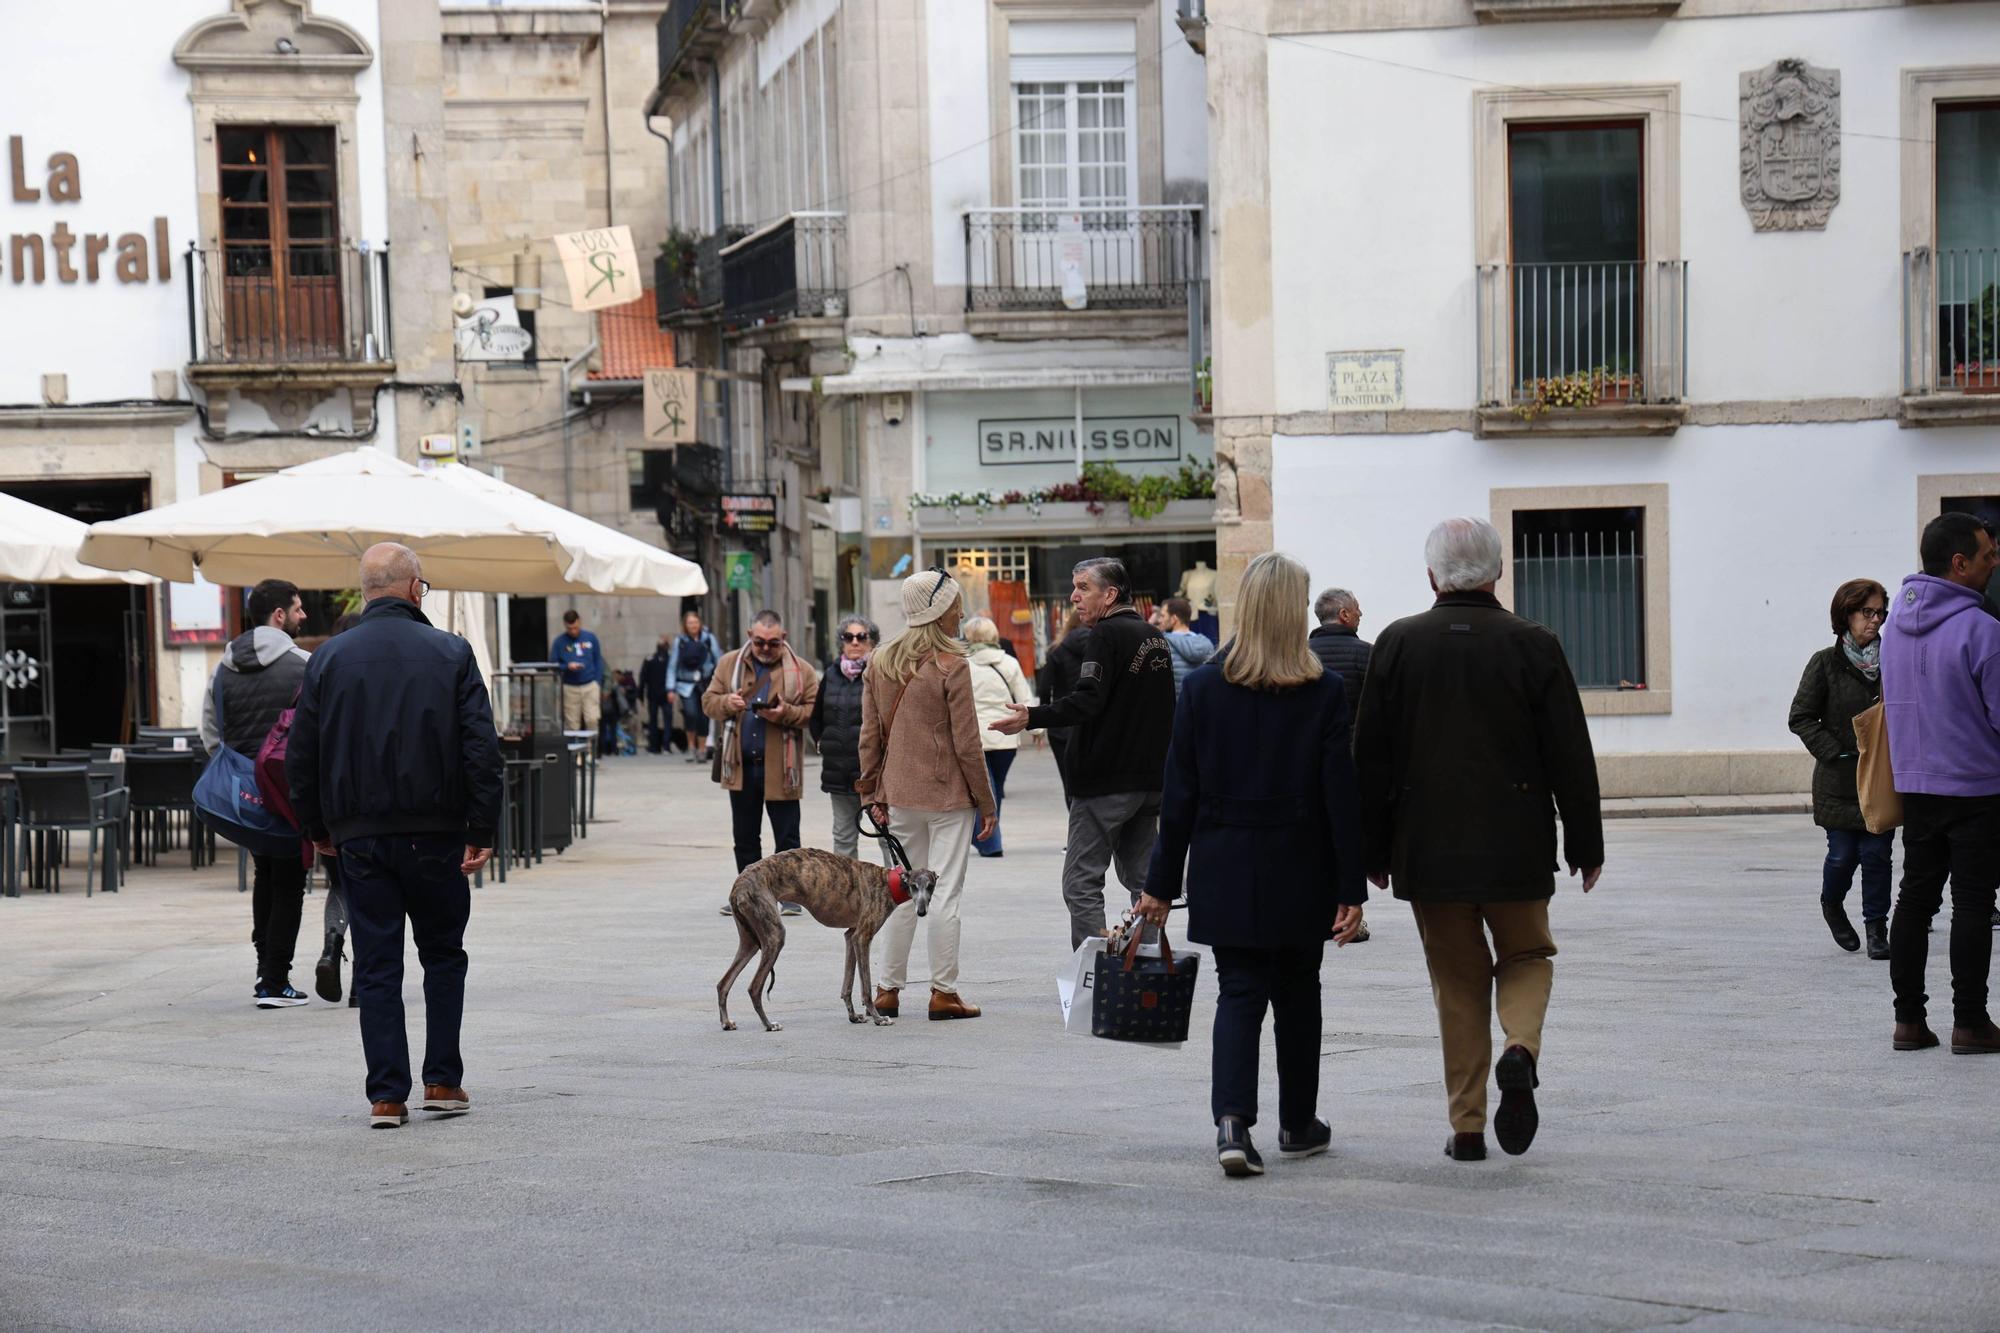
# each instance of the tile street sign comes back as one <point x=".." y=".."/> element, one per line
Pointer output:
<point x="1365" y="381"/>
<point x="601" y="266"/>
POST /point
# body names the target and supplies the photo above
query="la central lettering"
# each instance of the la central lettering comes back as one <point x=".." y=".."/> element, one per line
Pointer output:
<point x="28" y="255"/>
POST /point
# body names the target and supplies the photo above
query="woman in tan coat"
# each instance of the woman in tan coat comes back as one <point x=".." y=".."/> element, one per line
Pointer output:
<point x="924" y="773"/>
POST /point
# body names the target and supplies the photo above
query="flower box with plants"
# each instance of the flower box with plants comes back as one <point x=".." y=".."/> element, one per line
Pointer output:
<point x="1101" y="486"/>
<point x="1577" y="391"/>
<point x="1979" y="371"/>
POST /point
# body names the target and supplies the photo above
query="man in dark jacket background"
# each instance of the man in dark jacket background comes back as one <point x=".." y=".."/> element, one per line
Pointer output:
<point x="258" y="679"/>
<point x="658" y="697"/>
<point x="1470" y="737"/>
<point x="393" y="761"/>
<point x="1338" y="639"/>
<point x="1122" y="710"/>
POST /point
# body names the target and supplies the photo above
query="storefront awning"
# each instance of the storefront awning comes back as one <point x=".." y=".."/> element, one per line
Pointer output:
<point x="948" y="381"/>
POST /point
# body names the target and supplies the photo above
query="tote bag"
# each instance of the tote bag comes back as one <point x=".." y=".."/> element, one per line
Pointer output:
<point x="1874" y="776"/>
<point x="230" y="803"/>
<point x="1143" y="999"/>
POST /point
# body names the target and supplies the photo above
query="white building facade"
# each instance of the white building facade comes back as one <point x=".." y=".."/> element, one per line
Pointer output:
<point x="1696" y="302"/>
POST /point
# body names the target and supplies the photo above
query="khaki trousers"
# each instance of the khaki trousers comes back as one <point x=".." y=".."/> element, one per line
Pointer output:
<point x="581" y="704"/>
<point x="1466" y="976"/>
<point x="935" y="840"/>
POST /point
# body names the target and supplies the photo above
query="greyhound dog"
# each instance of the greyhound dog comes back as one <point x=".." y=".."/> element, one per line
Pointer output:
<point x="839" y="892"/>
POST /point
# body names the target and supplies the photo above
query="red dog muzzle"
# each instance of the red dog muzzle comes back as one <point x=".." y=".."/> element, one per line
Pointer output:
<point x="897" y="893"/>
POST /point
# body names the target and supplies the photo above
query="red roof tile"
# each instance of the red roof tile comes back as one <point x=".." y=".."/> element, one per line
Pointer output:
<point x="631" y="341"/>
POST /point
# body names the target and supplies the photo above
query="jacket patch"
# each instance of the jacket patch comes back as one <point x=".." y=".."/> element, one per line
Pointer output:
<point x="1091" y="671"/>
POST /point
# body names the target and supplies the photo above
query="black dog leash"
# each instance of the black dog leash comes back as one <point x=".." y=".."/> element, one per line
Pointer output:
<point x="882" y="832"/>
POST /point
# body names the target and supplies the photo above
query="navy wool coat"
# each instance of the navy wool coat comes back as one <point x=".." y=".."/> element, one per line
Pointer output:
<point x="1260" y="816"/>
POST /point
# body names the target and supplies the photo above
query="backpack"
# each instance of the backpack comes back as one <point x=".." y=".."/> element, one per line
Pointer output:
<point x="229" y="801"/>
<point x="271" y="780"/>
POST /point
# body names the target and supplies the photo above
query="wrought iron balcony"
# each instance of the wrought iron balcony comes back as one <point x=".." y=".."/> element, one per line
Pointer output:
<point x="688" y="277"/>
<point x="1582" y="335"/>
<point x="690" y="30"/>
<point x="299" y="306"/>
<point x="1118" y="258"/>
<point x="1951" y="322"/>
<point x="795" y="268"/>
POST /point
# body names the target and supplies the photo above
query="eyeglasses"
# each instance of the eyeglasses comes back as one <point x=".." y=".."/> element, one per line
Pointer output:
<point x="1873" y="613"/>
<point x="423" y="589"/>
<point x="855" y="638"/>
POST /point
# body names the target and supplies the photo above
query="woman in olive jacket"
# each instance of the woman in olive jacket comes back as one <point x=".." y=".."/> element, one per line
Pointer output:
<point x="1839" y="682"/>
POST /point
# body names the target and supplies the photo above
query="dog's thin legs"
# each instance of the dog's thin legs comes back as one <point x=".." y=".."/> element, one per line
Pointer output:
<point x="861" y="945"/>
<point x="760" y="980"/>
<point x="746" y="944"/>
<point x="847" y="983"/>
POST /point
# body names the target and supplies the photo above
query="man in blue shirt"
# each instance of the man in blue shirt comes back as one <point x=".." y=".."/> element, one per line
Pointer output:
<point x="581" y="658"/>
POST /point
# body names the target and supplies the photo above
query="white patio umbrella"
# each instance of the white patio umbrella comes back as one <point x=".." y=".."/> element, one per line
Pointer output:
<point x="38" y="545"/>
<point x="310" y="524"/>
<point x="606" y="560"/>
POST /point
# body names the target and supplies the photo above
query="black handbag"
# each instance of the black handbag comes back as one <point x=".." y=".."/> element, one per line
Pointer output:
<point x="1143" y="999"/>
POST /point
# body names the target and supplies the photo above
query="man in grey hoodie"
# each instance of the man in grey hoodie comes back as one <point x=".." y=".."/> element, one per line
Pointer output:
<point x="1941" y="696"/>
<point x="259" y="679"/>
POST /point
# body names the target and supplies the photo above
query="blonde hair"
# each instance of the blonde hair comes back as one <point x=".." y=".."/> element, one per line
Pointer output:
<point x="1269" y="650"/>
<point x="900" y="658"/>
<point x="980" y="630"/>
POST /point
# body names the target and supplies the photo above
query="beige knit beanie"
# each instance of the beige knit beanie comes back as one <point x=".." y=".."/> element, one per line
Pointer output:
<point x="925" y="598"/>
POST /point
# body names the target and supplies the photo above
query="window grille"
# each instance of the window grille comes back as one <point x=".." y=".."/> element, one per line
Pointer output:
<point x="1581" y="573"/>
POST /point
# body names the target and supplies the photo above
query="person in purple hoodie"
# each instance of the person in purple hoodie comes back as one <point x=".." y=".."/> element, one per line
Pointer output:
<point x="1941" y="695"/>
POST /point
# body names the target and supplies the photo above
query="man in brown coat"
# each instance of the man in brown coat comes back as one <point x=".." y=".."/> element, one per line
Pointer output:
<point x="762" y="694"/>
<point x="1469" y="738"/>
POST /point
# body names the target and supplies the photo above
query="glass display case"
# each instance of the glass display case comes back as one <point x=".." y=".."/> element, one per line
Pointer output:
<point x="528" y="698"/>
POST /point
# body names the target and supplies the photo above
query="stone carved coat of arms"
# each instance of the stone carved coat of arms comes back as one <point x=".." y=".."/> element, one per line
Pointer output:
<point x="1789" y="128"/>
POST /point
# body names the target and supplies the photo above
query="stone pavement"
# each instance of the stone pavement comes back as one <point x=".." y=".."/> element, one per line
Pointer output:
<point x="1727" y="1140"/>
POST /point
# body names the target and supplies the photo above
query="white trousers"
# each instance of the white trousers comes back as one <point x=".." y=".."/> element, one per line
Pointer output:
<point x="936" y="840"/>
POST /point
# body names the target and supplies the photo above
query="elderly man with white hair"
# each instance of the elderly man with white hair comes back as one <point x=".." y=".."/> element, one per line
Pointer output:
<point x="1469" y="740"/>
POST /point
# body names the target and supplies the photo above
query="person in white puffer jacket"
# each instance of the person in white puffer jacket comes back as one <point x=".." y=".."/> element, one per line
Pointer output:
<point x="996" y="682"/>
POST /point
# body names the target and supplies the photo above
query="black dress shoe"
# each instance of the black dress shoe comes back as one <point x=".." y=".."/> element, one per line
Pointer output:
<point x="1878" y="939"/>
<point x="1233" y="1150"/>
<point x="1515" y="1123"/>
<point x="1309" y="1142"/>
<point x="326" y="974"/>
<point x="1842" y="928"/>
<point x="1466" y="1147"/>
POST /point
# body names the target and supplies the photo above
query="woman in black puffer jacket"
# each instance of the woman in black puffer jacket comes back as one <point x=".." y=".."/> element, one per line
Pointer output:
<point x="1839" y="682"/>
<point x="836" y="728"/>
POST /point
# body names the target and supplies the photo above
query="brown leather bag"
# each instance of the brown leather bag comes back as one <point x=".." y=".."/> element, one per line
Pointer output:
<point x="1875" y="778"/>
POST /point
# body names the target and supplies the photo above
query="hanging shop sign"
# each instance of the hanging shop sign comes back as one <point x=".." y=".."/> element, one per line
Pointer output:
<point x="1365" y="381"/>
<point x="195" y="613"/>
<point x="601" y="266"/>
<point x="741" y="573"/>
<point x="749" y="515"/>
<point x="670" y="405"/>
<point x="493" y="332"/>
<point x="1005" y="442"/>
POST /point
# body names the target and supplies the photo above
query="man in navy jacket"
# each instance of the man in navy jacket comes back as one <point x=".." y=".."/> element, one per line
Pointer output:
<point x="394" y="764"/>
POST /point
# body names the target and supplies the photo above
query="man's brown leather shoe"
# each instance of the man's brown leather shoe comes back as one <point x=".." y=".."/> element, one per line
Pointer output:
<point x="388" y="1115"/>
<point x="887" y="1004"/>
<point x="451" y="1101"/>
<point x="1466" y="1147"/>
<point x="948" y="1004"/>
<point x="1914" y="1037"/>
<point x="1975" y="1041"/>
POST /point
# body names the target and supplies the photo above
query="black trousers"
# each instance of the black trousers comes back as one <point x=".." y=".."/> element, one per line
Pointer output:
<point x="388" y="879"/>
<point x="1955" y="838"/>
<point x="659" y="718"/>
<point x="1287" y="981"/>
<point x="277" y="900"/>
<point x="746" y="817"/>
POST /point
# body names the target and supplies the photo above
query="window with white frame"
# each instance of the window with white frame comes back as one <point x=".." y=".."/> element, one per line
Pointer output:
<point x="1074" y="91"/>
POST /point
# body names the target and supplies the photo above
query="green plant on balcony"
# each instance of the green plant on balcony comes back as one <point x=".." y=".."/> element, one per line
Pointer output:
<point x="1204" y="384"/>
<point x="1101" y="484"/>
<point x="1579" y="389"/>
<point x="683" y="262"/>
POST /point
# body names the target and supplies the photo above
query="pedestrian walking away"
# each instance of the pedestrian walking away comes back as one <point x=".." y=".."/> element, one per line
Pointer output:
<point x="581" y="658"/>
<point x="1260" y="824"/>
<point x="1122" y="712"/>
<point x="656" y="694"/>
<point x="1470" y="738"/>
<point x="1190" y="649"/>
<point x="326" y="973"/>
<point x="924" y="774"/>
<point x="394" y="765"/>
<point x="695" y="656"/>
<point x="257" y="680"/>
<point x="997" y="681"/>
<point x="836" y="729"/>
<point x="763" y="695"/>
<point x="1839" y="682"/>
<point x="1338" y="639"/>
<point x="1057" y="678"/>
<point x="1941" y="696"/>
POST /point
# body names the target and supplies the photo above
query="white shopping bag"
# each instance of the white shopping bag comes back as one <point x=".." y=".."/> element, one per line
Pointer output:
<point x="1073" y="985"/>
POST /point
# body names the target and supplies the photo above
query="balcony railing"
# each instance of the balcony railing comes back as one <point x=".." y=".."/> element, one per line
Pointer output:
<point x="795" y="268"/>
<point x="690" y="29"/>
<point x="1119" y="258"/>
<point x="303" y="305"/>
<point x="1582" y="334"/>
<point x="1951" y="321"/>
<point x="688" y="282"/>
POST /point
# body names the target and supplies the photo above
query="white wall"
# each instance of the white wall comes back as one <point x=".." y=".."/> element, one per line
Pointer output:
<point x="107" y="91"/>
<point x="1372" y="180"/>
<point x="961" y="121"/>
<point x="1765" y="522"/>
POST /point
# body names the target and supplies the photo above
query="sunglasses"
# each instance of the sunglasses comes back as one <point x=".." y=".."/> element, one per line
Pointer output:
<point x="776" y="641"/>
<point x="856" y="638"/>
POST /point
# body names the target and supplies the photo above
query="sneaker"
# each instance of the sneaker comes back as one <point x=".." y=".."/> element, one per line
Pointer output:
<point x="388" y="1115"/>
<point x="790" y="909"/>
<point x="282" y="998"/>
<point x="446" y="1101"/>
<point x="1233" y="1150"/>
<point x="1307" y="1143"/>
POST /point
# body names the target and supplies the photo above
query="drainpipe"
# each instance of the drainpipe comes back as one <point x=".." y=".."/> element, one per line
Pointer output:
<point x="569" y="468"/>
<point x="604" y="67"/>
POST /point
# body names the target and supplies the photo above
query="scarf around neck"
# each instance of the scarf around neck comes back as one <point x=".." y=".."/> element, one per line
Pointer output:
<point x="851" y="667"/>
<point x="1868" y="661"/>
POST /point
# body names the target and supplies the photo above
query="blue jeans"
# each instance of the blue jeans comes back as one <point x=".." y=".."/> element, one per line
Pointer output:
<point x="1845" y="850"/>
<point x="387" y="879"/>
<point x="997" y="764"/>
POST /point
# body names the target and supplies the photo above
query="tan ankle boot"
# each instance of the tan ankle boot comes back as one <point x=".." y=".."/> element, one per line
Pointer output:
<point x="948" y="1004"/>
<point x="886" y="1003"/>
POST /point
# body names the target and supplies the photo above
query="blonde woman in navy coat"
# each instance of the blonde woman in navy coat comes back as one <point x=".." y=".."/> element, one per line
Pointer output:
<point x="1261" y="821"/>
